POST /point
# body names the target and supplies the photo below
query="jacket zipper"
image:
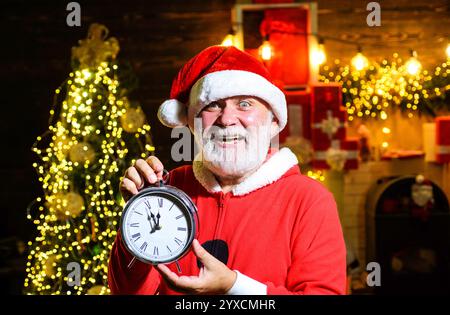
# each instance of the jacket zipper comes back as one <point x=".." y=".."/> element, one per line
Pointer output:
<point x="220" y="217"/>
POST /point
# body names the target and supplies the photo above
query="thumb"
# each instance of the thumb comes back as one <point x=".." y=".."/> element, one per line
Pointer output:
<point x="202" y="254"/>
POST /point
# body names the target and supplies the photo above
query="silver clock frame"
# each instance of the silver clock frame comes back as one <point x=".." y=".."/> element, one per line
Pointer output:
<point x="186" y="205"/>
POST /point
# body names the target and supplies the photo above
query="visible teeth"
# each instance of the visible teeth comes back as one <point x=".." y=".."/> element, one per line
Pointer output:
<point x="227" y="138"/>
<point x="231" y="138"/>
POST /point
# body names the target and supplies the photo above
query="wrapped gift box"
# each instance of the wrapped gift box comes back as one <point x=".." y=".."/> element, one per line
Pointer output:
<point x="429" y="141"/>
<point x="351" y="146"/>
<point x="326" y="96"/>
<point x="328" y="125"/>
<point x="299" y="115"/>
<point x="443" y="139"/>
<point x="342" y="154"/>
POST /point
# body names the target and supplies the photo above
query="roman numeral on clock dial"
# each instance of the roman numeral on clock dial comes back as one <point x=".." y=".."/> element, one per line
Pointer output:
<point x="178" y="241"/>
<point x="136" y="236"/>
<point x="143" y="246"/>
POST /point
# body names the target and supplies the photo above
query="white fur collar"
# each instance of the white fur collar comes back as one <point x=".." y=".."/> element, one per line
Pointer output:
<point x="269" y="172"/>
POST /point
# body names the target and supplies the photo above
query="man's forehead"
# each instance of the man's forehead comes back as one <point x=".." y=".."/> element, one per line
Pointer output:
<point x="238" y="98"/>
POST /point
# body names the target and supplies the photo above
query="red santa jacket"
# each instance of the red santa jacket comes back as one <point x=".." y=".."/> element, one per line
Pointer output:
<point x="277" y="227"/>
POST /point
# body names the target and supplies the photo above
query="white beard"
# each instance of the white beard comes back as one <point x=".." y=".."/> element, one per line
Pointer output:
<point x="235" y="161"/>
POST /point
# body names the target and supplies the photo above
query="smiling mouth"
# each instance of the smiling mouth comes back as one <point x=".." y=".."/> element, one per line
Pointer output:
<point x="227" y="139"/>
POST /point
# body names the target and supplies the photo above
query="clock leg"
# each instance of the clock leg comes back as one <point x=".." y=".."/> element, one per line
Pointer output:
<point x="131" y="263"/>
<point x="178" y="267"/>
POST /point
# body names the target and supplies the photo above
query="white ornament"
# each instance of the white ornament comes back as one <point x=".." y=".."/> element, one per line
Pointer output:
<point x="336" y="158"/>
<point x="421" y="193"/>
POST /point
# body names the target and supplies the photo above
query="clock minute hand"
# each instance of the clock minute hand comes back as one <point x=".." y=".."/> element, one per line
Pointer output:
<point x="158" y="227"/>
<point x="154" y="220"/>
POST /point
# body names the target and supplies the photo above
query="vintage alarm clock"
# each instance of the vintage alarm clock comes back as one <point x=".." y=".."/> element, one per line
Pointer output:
<point x="159" y="224"/>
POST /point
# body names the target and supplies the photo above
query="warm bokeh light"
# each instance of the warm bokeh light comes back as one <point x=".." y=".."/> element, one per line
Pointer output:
<point x="360" y="62"/>
<point x="316" y="174"/>
<point x="229" y="40"/>
<point x="413" y="65"/>
<point x="387" y="85"/>
<point x="266" y="50"/>
<point x="318" y="55"/>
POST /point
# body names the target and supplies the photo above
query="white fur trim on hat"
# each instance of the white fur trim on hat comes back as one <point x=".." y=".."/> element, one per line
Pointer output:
<point x="172" y="113"/>
<point x="227" y="83"/>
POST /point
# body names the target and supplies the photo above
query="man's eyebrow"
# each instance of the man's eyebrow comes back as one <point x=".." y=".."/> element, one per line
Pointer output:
<point x="246" y="98"/>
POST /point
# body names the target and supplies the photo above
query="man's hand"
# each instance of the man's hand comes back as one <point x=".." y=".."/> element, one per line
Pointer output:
<point x="214" y="277"/>
<point x="144" y="171"/>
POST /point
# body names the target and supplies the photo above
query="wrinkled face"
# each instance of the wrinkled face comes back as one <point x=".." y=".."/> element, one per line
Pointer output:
<point x="234" y="134"/>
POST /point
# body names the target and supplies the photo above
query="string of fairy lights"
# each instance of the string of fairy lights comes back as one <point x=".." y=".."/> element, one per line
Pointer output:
<point x="82" y="156"/>
<point x="371" y="88"/>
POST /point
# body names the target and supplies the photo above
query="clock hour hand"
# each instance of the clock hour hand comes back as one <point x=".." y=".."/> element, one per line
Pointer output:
<point x="150" y="221"/>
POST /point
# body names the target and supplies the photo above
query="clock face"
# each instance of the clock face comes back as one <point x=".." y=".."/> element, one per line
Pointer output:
<point x="158" y="225"/>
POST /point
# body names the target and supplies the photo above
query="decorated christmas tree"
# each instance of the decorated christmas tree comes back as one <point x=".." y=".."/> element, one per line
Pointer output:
<point x="95" y="133"/>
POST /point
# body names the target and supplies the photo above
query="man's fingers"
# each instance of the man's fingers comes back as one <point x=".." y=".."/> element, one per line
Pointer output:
<point x="146" y="171"/>
<point x="183" y="283"/>
<point x="167" y="273"/>
<point x="205" y="258"/>
<point x="156" y="165"/>
<point x="127" y="188"/>
<point x="133" y="175"/>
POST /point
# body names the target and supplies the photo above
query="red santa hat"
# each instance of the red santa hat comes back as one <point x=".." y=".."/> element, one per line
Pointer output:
<point x="215" y="73"/>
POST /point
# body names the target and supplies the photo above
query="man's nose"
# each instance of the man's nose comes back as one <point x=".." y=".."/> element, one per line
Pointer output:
<point x="227" y="117"/>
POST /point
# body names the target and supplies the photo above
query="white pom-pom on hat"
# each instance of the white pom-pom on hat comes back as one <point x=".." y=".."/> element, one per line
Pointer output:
<point x="172" y="113"/>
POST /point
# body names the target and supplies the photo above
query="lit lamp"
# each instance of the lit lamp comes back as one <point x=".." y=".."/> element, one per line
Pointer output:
<point x="318" y="56"/>
<point x="359" y="61"/>
<point x="447" y="51"/>
<point x="413" y="65"/>
<point x="229" y="40"/>
<point x="266" y="50"/>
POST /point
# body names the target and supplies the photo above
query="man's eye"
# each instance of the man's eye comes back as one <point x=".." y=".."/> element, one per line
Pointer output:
<point x="213" y="105"/>
<point x="244" y="104"/>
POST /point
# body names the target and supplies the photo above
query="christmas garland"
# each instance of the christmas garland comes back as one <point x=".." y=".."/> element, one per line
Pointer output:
<point x="371" y="92"/>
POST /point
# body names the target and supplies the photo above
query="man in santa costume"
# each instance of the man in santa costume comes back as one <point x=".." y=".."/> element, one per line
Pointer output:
<point x="265" y="227"/>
